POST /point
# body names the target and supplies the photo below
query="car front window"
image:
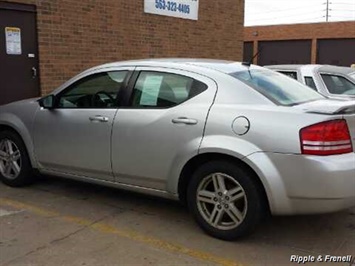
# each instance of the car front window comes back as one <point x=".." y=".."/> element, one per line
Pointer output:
<point x="277" y="87"/>
<point x="95" y="91"/>
<point x="338" y="84"/>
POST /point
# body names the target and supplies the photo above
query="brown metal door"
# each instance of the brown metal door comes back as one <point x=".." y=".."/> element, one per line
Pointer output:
<point x="18" y="52"/>
<point x="339" y="52"/>
<point x="284" y="52"/>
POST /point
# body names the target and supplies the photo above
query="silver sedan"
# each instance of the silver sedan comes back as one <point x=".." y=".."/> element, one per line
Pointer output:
<point x="235" y="142"/>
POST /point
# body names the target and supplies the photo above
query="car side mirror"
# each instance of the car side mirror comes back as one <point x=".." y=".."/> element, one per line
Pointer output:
<point x="47" y="102"/>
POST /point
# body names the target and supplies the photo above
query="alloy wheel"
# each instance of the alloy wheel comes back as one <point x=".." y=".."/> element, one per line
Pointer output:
<point x="10" y="159"/>
<point x="221" y="201"/>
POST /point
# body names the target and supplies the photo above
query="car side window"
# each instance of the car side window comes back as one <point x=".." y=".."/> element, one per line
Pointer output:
<point x="95" y="91"/>
<point x="310" y="82"/>
<point x="338" y="84"/>
<point x="164" y="90"/>
<point x="290" y="74"/>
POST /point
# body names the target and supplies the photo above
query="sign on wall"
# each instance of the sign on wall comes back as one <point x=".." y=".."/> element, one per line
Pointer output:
<point x="187" y="9"/>
<point x="13" y="40"/>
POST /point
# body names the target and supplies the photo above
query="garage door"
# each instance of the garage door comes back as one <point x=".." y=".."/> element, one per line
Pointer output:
<point x="18" y="52"/>
<point x="339" y="52"/>
<point x="284" y="52"/>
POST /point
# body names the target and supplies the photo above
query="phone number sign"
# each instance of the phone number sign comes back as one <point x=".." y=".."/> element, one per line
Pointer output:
<point x="187" y="9"/>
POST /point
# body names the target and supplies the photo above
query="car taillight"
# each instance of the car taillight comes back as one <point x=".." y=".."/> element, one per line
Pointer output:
<point x="326" y="138"/>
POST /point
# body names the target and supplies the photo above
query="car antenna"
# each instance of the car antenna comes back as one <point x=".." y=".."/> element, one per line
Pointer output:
<point x="248" y="63"/>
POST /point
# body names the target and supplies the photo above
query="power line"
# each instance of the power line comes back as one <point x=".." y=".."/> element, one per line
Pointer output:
<point x="286" y="16"/>
<point x="349" y="4"/>
<point x="283" y="10"/>
<point x="305" y="19"/>
<point x="335" y="16"/>
<point x="342" y="10"/>
<point x="330" y="8"/>
<point x="303" y="16"/>
<point x="314" y="20"/>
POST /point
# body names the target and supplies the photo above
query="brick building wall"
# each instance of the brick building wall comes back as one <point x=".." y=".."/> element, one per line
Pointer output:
<point x="312" y="31"/>
<point x="75" y="35"/>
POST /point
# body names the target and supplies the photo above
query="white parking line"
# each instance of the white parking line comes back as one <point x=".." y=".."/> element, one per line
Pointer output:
<point x="4" y="212"/>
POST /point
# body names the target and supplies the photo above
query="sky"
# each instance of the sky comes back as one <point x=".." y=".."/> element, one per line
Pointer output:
<point x="272" y="12"/>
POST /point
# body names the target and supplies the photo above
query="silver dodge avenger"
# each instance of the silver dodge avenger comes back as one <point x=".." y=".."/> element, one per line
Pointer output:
<point x="234" y="141"/>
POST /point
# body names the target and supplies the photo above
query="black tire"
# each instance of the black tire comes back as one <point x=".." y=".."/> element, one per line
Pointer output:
<point x="25" y="175"/>
<point x="251" y="205"/>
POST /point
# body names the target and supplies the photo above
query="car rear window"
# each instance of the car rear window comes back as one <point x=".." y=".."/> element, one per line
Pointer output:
<point x="338" y="85"/>
<point x="277" y="87"/>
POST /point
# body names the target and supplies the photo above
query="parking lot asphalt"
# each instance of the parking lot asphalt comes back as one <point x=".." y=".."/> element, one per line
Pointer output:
<point x="64" y="222"/>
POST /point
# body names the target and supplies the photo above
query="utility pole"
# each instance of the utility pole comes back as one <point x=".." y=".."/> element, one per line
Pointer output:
<point x="327" y="12"/>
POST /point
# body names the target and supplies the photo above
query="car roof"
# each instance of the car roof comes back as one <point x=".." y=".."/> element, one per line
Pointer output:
<point x="336" y="69"/>
<point x="223" y="66"/>
<point x="320" y="68"/>
<point x="284" y="67"/>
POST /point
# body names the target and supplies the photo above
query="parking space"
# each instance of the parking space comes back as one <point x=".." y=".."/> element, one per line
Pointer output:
<point x="63" y="222"/>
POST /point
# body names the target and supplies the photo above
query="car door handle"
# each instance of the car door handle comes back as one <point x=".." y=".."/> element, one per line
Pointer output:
<point x="184" y="120"/>
<point x="98" y="118"/>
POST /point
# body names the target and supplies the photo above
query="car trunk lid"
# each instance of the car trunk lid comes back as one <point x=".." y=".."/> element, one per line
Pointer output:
<point x="328" y="107"/>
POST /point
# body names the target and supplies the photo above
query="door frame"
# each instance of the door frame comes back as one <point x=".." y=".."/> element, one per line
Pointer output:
<point x="31" y="9"/>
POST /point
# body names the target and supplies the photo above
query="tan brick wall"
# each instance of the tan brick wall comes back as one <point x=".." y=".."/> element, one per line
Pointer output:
<point x="75" y="35"/>
<point x="312" y="31"/>
<point x="301" y="31"/>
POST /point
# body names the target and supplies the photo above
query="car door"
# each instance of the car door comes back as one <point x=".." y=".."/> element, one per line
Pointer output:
<point x="162" y="126"/>
<point x="75" y="137"/>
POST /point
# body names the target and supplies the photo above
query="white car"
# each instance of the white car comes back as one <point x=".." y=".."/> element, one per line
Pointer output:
<point x="332" y="81"/>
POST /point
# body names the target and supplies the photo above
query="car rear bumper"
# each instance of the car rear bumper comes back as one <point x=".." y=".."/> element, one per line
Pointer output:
<point x="300" y="184"/>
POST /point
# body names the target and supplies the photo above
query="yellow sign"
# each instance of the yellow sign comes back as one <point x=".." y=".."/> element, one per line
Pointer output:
<point x="13" y="41"/>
